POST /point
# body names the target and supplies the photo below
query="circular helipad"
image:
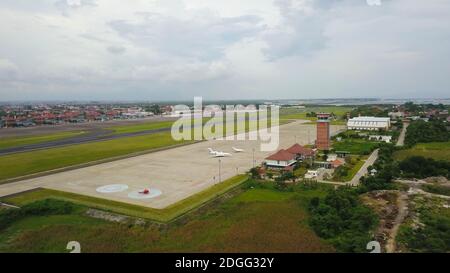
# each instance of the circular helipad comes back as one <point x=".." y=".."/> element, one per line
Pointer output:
<point x="112" y="188"/>
<point x="140" y="195"/>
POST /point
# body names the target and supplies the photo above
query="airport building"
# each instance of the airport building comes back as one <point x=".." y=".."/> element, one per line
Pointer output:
<point x="323" y="131"/>
<point x="281" y="159"/>
<point x="369" y="123"/>
<point x="301" y="152"/>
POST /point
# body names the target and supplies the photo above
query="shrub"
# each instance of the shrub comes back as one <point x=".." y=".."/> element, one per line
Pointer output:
<point x="38" y="208"/>
<point x="421" y="131"/>
<point x="341" y="218"/>
<point x="420" y="167"/>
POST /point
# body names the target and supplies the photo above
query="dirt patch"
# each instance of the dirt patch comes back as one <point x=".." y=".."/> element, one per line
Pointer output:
<point x="113" y="217"/>
<point x="391" y="208"/>
<point x="440" y="180"/>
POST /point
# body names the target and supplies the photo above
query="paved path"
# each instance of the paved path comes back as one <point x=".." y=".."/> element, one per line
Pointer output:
<point x="363" y="170"/>
<point x="401" y="138"/>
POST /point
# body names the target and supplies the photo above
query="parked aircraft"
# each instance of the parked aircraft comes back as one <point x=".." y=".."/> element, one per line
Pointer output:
<point x="237" y="150"/>
<point x="222" y="154"/>
<point x="217" y="153"/>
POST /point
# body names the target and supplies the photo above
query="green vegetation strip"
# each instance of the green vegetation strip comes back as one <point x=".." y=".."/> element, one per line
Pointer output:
<point x="434" y="150"/>
<point x="355" y="146"/>
<point x="10" y="142"/>
<point x="305" y="114"/>
<point x="141" y="127"/>
<point x="22" y="165"/>
<point x="160" y="215"/>
<point x="259" y="218"/>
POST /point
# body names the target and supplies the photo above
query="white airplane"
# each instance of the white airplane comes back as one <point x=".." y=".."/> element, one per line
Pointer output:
<point x="237" y="150"/>
<point x="222" y="154"/>
<point x="217" y="153"/>
<point x="211" y="151"/>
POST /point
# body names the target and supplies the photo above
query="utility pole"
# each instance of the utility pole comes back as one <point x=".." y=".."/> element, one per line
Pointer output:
<point x="220" y="178"/>
<point x="253" y="157"/>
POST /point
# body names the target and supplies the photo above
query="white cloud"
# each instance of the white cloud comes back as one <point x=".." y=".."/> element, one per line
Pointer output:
<point x="175" y="49"/>
<point x="8" y="70"/>
<point x="374" y="2"/>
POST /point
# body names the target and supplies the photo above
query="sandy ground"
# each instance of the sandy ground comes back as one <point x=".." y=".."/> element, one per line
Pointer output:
<point x="178" y="173"/>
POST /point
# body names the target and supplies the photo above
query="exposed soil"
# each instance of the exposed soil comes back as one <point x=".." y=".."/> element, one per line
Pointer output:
<point x="392" y="209"/>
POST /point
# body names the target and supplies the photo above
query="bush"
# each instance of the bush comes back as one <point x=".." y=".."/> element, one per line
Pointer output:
<point x="433" y="237"/>
<point x="38" y="208"/>
<point x="341" y="218"/>
<point x="420" y="167"/>
<point x="421" y="131"/>
<point x="442" y="190"/>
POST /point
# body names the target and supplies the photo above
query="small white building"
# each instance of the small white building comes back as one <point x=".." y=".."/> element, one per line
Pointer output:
<point x="369" y="123"/>
<point x="396" y="115"/>
<point x="386" y="139"/>
<point x="332" y="157"/>
<point x="314" y="174"/>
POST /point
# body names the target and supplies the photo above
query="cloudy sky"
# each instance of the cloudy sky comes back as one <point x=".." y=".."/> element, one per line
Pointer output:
<point x="223" y="49"/>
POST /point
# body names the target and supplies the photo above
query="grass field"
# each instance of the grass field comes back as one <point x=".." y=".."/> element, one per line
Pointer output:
<point x="435" y="150"/>
<point x="256" y="220"/>
<point x="141" y="127"/>
<point x="355" y="168"/>
<point x="9" y="142"/>
<point x="20" y="164"/>
<point x="355" y="146"/>
<point x="292" y="113"/>
<point x="168" y="124"/>
<point x="160" y="215"/>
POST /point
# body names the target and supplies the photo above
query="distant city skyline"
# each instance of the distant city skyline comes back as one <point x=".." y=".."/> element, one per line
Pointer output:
<point x="173" y="50"/>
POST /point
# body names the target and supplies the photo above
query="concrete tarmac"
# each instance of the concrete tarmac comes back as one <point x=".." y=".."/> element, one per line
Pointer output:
<point x="178" y="172"/>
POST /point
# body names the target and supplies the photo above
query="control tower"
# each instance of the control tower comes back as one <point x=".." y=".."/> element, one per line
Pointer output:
<point x="323" y="131"/>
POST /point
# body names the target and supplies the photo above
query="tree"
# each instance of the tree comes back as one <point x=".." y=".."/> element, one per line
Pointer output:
<point x="254" y="173"/>
<point x="155" y="109"/>
<point x="421" y="131"/>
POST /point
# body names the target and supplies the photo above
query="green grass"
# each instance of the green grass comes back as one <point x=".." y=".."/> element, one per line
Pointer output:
<point x="141" y="127"/>
<point x="355" y="168"/>
<point x="257" y="220"/>
<point x="161" y="215"/>
<point x="433" y="233"/>
<point x="291" y="113"/>
<point x="355" y="146"/>
<point x="20" y="164"/>
<point x="436" y="189"/>
<point x="9" y="142"/>
<point x="435" y="150"/>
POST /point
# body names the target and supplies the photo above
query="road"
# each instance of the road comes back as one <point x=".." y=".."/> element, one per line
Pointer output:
<point x="363" y="170"/>
<point x="401" y="138"/>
